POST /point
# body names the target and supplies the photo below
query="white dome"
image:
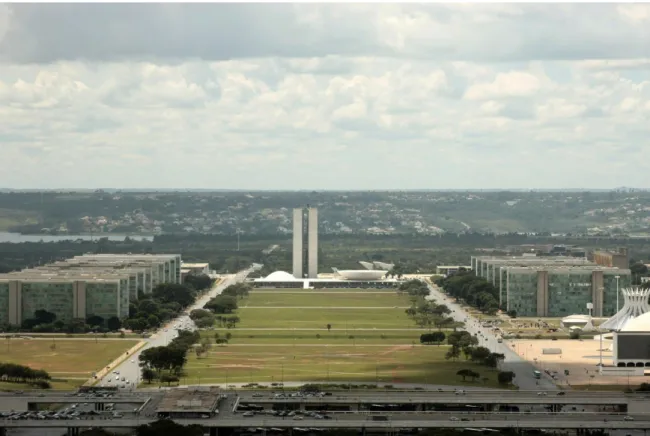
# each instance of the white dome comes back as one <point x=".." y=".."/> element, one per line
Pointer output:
<point x="576" y="318"/>
<point x="362" y="274"/>
<point x="639" y="324"/>
<point x="279" y="276"/>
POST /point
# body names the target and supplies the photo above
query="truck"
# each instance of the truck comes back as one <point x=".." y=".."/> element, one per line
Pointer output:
<point x="537" y="374"/>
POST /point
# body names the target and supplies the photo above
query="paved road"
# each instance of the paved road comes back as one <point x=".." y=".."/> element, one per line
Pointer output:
<point x="130" y="369"/>
<point x="520" y="421"/>
<point x="513" y="362"/>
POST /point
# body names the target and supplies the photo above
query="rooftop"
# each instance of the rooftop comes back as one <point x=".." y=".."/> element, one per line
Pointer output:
<point x="192" y="399"/>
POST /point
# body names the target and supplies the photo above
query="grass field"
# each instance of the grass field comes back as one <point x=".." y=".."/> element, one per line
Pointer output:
<point x="71" y="361"/>
<point x="370" y="341"/>
<point x="324" y="299"/>
<point x="361" y="363"/>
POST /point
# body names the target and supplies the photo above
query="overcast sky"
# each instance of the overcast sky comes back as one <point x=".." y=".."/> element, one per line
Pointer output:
<point x="335" y="96"/>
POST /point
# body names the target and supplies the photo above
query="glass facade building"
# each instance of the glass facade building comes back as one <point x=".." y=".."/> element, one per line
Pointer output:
<point x="563" y="291"/>
<point x="83" y="286"/>
<point x="554" y="286"/>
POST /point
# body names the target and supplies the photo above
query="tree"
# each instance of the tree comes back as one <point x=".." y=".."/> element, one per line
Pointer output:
<point x="479" y="354"/>
<point x="113" y="323"/>
<point x="167" y="427"/>
<point x="453" y="353"/>
<point x="204" y="322"/>
<point x="464" y="373"/>
<point x="438" y="337"/>
<point x="169" y="379"/>
<point x="148" y="307"/>
<point x="222" y="304"/>
<point x="199" y="281"/>
<point x="174" y="293"/>
<point x="329" y="327"/>
<point x="148" y="375"/>
<point x="95" y="321"/>
<point x="505" y="377"/>
<point x="44" y="317"/>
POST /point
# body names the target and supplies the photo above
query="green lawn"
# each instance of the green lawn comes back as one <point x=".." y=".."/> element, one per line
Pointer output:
<point x="334" y="337"/>
<point x="319" y="318"/>
<point x="326" y="299"/>
<point x="366" y="343"/>
<point x="277" y="363"/>
<point x="71" y="361"/>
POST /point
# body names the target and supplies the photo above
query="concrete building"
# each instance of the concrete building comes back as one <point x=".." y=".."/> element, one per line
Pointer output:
<point x="101" y="285"/>
<point x="493" y="268"/>
<point x="305" y="255"/>
<point x="298" y="249"/>
<point x="558" y="291"/>
<point x="618" y="259"/>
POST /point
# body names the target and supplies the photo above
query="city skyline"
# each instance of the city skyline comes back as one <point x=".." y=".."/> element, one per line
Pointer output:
<point x="338" y="96"/>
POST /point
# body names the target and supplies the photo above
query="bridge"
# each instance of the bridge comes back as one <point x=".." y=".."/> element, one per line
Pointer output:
<point x="520" y="422"/>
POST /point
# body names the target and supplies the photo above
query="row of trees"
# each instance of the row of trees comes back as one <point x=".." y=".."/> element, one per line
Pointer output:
<point x="14" y="373"/>
<point x="423" y="312"/>
<point x="473" y="290"/>
<point x="165" y="303"/>
<point x="166" y="363"/>
<point x="465" y="343"/>
<point x="44" y="321"/>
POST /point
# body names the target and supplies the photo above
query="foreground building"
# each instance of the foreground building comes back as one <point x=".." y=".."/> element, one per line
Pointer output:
<point x="84" y="286"/>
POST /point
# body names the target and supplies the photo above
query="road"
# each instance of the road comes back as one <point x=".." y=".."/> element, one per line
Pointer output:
<point x="531" y="422"/>
<point x="130" y="369"/>
<point x="513" y="362"/>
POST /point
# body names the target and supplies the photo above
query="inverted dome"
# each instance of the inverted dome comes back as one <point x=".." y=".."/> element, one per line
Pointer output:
<point x="280" y="276"/>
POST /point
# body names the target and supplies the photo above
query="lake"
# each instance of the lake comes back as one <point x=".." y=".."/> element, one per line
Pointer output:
<point x="18" y="238"/>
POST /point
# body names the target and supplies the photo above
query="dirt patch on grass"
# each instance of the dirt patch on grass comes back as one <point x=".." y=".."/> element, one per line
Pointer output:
<point x="395" y="349"/>
<point x="237" y="366"/>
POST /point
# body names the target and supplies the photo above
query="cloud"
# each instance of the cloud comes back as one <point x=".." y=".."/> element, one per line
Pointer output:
<point x="215" y="32"/>
<point x="330" y="96"/>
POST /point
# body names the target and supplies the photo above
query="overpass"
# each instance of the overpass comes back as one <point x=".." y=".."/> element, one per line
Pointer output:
<point x="521" y="422"/>
<point x="422" y="400"/>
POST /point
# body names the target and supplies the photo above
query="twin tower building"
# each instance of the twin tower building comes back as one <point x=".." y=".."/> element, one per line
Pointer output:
<point x="305" y="243"/>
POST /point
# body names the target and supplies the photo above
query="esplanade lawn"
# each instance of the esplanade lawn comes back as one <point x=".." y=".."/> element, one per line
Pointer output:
<point x="69" y="361"/>
<point x="283" y="336"/>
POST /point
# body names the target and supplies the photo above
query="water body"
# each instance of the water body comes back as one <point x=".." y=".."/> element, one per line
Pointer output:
<point x="18" y="238"/>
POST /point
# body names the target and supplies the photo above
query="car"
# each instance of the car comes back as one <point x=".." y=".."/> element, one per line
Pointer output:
<point x="628" y="418"/>
<point x="248" y="414"/>
<point x="298" y="418"/>
<point x="453" y="418"/>
<point x="559" y="394"/>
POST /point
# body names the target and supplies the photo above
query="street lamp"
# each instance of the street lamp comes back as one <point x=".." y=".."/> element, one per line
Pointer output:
<point x="617" y="292"/>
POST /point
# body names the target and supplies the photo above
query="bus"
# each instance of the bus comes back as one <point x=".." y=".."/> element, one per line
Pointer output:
<point x="537" y="374"/>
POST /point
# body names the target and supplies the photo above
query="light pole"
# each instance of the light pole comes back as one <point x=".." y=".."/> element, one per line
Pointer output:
<point x="617" y="277"/>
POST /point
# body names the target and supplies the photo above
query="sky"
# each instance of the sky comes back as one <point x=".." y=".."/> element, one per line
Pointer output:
<point x="325" y="96"/>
